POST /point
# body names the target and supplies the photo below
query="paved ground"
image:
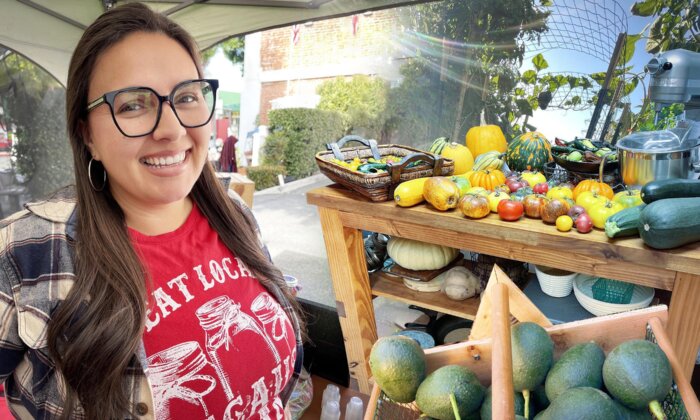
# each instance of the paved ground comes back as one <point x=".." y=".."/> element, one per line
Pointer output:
<point x="292" y="231"/>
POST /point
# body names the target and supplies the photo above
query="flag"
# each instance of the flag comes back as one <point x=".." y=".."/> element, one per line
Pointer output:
<point x="296" y="34"/>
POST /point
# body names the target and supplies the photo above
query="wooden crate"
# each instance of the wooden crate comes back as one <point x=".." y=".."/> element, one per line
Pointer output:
<point x="488" y="349"/>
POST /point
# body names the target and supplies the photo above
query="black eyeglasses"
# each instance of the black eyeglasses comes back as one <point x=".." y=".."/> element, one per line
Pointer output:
<point x="136" y="111"/>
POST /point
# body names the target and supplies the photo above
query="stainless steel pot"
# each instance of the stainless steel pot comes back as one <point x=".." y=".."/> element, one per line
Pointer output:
<point x="650" y="156"/>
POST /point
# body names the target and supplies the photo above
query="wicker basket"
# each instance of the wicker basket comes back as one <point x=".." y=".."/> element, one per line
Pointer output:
<point x="379" y="186"/>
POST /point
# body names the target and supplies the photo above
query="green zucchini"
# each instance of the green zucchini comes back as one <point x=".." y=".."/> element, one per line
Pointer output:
<point x="624" y="223"/>
<point x="670" y="223"/>
<point x="670" y="188"/>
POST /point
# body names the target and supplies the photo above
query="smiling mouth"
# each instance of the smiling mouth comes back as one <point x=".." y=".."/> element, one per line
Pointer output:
<point x="164" y="162"/>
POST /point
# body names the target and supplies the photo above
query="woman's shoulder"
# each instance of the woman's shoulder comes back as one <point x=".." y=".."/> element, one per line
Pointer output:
<point x="39" y="218"/>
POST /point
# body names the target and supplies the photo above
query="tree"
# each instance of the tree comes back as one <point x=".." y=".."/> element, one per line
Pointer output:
<point x="233" y="48"/>
<point x="481" y="44"/>
<point x="676" y="24"/>
<point x="361" y="102"/>
<point x="34" y="103"/>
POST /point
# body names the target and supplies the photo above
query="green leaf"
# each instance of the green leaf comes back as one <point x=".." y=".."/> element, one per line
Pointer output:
<point x="576" y="100"/>
<point x="524" y="107"/>
<point x="646" y="7"/>
<point x="628" y="48"/>
<point x="573" y="81"/>
<point x="599" y="77"/>
<point x="547" y="3"/>
<point x="539" y="62"/>
<point x="529" y="77"/>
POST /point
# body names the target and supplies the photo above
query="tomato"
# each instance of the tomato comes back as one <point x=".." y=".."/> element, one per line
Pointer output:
<point x="503" y="188"/>
<point x="510" y="210"/>
<point x="600" y="212"/>
<point x="629" y="198"/>
<point x="583" y="223"/>
<point x="541" y="188"/>
<point x="588" y="199"/>
<point x="575" y="211"/>
<point x="496" y="197"/>
<point x="553" y="209"/>
<point x="514" y="184"/>
<point x="533" y="178"/>
<point x="478" y="191"/>
<point x="533" y="205"/>
<point x="564" y="223"/>
<point x="474" y="206"/>
<point x="560" y="192"/>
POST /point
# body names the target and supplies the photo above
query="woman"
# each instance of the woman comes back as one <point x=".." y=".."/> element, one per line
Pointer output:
<point x="146" y="291"/>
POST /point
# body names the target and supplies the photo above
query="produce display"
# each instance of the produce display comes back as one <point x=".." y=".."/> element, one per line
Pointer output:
<point x="583" y="383"/>
<point x="416" y="255"/>
<point x="589" y="204"/>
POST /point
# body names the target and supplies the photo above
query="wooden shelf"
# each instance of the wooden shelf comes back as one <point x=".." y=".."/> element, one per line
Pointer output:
<point x="393" y="288"/>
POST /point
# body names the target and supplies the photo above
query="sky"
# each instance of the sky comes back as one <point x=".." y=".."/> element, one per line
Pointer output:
<point x="552" y="123"/>
<point x="570" y="124"/>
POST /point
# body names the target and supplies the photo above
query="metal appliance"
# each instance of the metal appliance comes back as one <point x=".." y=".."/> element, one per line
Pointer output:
<point x="647" y="156"/>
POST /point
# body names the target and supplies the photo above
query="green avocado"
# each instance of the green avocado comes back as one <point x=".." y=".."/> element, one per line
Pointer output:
<point x="638" y="374"/>
<point x="533" y="354"/>
<point x="581" y="404"/>
<point x="486" y="405"/>
<point x="398" y="367"/>
<point x="581" y="365"/>
<point x="626" y="413"/>
<point x="433" y="396"/>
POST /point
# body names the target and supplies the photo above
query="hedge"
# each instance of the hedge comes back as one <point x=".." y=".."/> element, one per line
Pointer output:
<point x="265" y="176"/>
<point x="296" y="135"/>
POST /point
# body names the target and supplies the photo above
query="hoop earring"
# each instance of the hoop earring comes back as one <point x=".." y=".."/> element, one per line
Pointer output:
<point x="104" y="177"/>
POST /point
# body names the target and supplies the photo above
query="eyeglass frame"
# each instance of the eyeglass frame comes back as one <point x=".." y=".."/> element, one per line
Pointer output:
<point x="108" y="98"/>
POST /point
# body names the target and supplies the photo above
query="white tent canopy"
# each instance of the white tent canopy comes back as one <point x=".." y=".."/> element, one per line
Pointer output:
<point x="46" y="31"/>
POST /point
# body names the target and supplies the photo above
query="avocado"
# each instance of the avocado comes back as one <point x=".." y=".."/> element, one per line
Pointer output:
<point x="533" y="353"/>
<point x="433" y="396"/>
<point x="638" y="374"/>
<point x="398" y="366"/>
<point x="626" y="413"/>
<point x="583" y="403"/>
<point x="486" y="405"/>
<point x="581" y="365"/>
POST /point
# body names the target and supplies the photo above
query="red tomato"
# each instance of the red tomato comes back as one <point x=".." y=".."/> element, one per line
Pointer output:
<point x="510" y="210"/>
<point x="541" y="188"/>
<point x="584" y="223"/>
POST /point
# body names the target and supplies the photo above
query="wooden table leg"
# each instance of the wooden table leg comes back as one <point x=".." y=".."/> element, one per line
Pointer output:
<point x="348" y="268"/>
<point x="683" y="320"/>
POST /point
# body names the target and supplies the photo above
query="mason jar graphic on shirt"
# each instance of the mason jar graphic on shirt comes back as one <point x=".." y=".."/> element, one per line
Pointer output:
<point x="271" y="314"/>
<point x="180" y="373"/>
<point x="222" y="320"/>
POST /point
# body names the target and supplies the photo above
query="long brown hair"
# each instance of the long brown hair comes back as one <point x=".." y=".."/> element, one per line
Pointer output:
<point x="95" y="333"/>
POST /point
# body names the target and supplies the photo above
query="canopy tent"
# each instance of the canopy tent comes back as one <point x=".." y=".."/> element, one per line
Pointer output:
<point x="46" y="31"/>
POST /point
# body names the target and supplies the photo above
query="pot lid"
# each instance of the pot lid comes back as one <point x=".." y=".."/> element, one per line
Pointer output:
<point x="672" y="140"/>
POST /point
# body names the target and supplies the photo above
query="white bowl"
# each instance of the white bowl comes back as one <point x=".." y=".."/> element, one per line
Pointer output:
<point x="583" y="290"/>
<point x="555" y="285"/>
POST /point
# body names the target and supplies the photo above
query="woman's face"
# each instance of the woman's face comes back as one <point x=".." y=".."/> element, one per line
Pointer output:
<point x="159" y="168"/>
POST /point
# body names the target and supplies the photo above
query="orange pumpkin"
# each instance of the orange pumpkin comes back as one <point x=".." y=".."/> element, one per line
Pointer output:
<point x="489" y="179"/>
<point x="601" y="188"/>
<point x="485" y="138"/>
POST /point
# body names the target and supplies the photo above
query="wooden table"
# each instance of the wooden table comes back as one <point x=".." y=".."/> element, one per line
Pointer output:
<point x="344" y="214"/>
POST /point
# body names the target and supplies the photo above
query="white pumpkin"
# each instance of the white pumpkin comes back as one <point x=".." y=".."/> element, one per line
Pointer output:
<point x="460" y="283"/>
<point x="416" y="255"/>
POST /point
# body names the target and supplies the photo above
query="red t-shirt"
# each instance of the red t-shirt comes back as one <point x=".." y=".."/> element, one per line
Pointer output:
<point x="219" y="346"/>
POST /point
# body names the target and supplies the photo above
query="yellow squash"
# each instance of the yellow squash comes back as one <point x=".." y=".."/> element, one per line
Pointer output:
<point x="410" y="193"/>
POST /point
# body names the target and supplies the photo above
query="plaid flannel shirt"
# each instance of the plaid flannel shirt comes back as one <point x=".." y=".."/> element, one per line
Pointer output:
<point x="36" y="274"/>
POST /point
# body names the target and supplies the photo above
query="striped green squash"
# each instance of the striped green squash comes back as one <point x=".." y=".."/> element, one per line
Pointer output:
<point x="438" y="145"/>
<point x="529" y="151"/>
